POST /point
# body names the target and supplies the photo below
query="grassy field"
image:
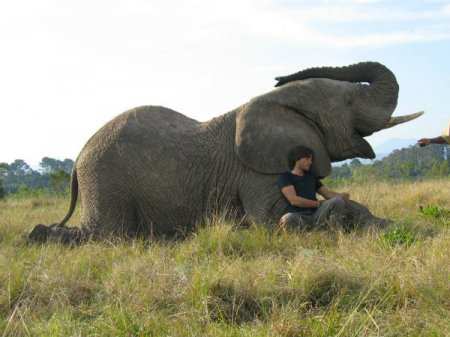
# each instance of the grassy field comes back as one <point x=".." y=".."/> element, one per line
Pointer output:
<point x="226" y="281"/>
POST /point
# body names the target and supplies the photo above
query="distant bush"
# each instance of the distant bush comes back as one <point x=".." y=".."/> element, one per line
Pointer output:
<point x="25" y="192"/>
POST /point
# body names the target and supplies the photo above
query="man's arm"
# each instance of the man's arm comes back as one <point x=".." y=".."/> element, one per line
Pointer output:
<point x="328" y="194"/>
<point x="428" y="141"/>
<point x="295" y="200"/>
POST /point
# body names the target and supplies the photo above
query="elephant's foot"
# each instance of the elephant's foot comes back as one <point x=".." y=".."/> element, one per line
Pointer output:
<point x="59" y="234"/>
<point x="380" y="222"/>
<point x="359" y="216"/>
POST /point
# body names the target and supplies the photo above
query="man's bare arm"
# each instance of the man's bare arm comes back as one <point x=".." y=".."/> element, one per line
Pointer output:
<point x="427" y="141"/>
<point x="328" y="194"/>
<point x="295" y="200"/>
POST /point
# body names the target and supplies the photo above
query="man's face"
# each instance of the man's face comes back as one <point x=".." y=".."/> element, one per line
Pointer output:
<point x="305" y="163"/>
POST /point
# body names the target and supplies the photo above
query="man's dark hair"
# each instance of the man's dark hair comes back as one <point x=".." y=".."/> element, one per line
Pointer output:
<point x="298" y="153"/>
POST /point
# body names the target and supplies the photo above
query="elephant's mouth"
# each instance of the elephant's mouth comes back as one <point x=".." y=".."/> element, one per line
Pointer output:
<point x="359" y="147"/>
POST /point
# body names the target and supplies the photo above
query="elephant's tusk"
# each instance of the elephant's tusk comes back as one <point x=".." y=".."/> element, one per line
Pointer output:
<point x="402" y="119"/>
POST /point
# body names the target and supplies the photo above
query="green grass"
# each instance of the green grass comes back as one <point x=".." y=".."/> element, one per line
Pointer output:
<point x="228" y="281"/>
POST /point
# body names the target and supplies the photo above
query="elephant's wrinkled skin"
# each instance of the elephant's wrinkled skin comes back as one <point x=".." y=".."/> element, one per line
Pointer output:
<point x="153" y="170"/>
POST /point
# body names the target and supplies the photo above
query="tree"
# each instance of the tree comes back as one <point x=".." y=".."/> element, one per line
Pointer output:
<point x="59" y="181"/>
<point x="406" y="169"/>
<point x="444" y="169"/>
<point x="67" y="165"/>
<point x="435" y="170"/>
<point x="2" y="190"/>
<point x="49" y="165"/>
<point x="3" y="170"/>
<point x="355" y="163"/>
<point x="19" y="168"/>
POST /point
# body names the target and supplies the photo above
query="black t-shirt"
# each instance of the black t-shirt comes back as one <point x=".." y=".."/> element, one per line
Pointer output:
<point x="305" y="186"/>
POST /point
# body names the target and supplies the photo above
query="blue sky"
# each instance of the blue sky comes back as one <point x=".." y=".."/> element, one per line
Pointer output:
<point x="67" y="67"/>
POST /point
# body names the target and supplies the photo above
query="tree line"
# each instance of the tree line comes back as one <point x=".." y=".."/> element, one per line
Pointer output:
<point x="18" y="176"/>
<point x="410" y="163"/>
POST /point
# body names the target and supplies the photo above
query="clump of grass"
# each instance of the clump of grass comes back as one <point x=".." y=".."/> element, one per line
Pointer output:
<point x="323" y="289"/>
<point x="435" y="211"/>
<point x="233" y="305"/>
<point x="399" y="235"/>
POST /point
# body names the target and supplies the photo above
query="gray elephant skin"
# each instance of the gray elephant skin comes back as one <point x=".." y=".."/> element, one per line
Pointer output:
<point x="154" y="171"/>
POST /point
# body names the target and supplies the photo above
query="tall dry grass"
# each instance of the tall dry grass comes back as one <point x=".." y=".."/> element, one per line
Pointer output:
<point x="227" y="281"/>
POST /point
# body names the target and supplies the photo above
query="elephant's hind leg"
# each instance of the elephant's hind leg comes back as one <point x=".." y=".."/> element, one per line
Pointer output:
<point x="108" y="215"/>
<point x="109" y="208"/>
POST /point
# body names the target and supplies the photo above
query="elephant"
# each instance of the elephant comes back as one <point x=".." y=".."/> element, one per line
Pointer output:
<point x="153" y="171"/>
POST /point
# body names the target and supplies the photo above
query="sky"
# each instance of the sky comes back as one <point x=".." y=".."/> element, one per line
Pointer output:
<point x="68" y="67"/>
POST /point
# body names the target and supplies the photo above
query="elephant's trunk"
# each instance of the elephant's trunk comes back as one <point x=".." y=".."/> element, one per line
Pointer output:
<point x="377" y="100"/>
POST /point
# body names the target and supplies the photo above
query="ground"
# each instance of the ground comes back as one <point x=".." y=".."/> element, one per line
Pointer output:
<point x="225" y="281"/>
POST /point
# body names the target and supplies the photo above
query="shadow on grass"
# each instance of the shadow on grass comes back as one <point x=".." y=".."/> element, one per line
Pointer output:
<point x="237" y="305"/>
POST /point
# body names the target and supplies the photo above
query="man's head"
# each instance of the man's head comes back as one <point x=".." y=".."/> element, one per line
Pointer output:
<point x="301" y="154"/>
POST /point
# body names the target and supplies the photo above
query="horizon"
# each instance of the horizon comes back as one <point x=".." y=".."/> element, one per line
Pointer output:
<point x="68" y="68"/>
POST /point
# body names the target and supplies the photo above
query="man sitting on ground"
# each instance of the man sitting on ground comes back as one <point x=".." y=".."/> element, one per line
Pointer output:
<point x="299" y="187"/>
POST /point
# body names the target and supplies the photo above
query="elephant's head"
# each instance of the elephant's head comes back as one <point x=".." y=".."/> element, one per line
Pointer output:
<point x="328" y="109"/>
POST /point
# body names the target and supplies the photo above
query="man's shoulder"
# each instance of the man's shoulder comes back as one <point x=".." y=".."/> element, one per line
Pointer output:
<point x="285" y="176"/>
<point x="284" y="179"/>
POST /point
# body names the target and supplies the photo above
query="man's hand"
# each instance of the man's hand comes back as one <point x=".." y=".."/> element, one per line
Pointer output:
<point x="423" y="142"/>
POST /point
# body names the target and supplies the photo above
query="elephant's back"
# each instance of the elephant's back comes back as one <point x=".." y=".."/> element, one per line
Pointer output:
<point x="146" y="128"/>
<point x="156" y="122"/>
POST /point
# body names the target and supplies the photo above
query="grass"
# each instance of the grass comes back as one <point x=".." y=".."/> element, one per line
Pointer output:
<point x="227" y="281"/>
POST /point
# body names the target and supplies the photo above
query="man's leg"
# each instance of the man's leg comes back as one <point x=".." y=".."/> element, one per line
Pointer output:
<point x="295" y="221"/>
<point x="331" y="212"/>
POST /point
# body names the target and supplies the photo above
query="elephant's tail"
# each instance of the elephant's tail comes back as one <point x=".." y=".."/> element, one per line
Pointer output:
<point x="73" y="197"/>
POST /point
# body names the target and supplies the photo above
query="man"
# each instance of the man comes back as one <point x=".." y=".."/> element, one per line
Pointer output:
<point x="444" y="139"/>
<point x="299" y="187"/>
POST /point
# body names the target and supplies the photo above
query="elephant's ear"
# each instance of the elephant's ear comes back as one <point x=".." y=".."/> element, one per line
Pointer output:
<point x="266" y="131"/>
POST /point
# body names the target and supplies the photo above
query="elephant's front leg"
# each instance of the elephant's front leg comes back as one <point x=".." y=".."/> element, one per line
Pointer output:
<point x="360" y="216"/>
<point x="262" y="200"/>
